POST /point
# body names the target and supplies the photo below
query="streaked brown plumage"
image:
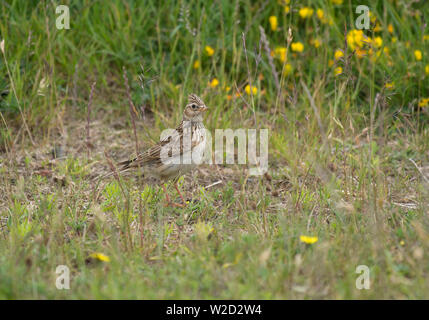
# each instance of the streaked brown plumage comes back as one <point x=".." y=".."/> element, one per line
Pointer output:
<point x="175" y="155"/>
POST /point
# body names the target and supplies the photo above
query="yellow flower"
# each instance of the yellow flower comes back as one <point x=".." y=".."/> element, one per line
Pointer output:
<point x="377" y="41"/>
<point x="424" y="102"/>
<point x="360" y="53"/>
<point x="378" y="53"/>
<point x="394" y="39"/>
<point x="306" y="12"/>
<point x="209" y="50"/>
<point x="390" y="28"/>
<point x="297" y="46"/>
<point x="372" y="17"/>
<point x="338" y="71"/>
<point x="418" y="55"/>
<point x="287" y="9"/>
<point x="427" y="69"/>
<point x="355" y="38"/>
<point x="377" y="28"/>
<point x="280" y="53"/>
<point x="402" y="243"/>
<point x="337" y="1"/>
<point x="308" y="240"/>
<point x="338" y="54"/>
<point x="316" y="43"/>
<point x="287" y="69"/>
<point x="254" y="90"/>
<point x="100" y="257"/>
<point x="426" y="37"/>
<point x="227" y="88"/>
<point x="214" y="83"/>
<point x="321" y="15"/>
<point x="196" y="64"/>
<point x="273" y="22"/>
<point x="390" y="85"/>
<point x="330" y="62"/>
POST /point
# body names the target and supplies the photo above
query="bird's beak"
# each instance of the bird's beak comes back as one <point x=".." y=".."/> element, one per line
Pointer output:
<point x="204" y="108"/>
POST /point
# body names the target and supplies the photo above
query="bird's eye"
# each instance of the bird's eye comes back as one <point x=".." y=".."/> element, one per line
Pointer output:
<point x="194" y="106"/>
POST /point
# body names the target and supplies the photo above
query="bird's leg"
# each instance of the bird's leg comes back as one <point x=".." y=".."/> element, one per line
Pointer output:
<point x="166" y="195"/>
<point x="180" y="194"/>
<point x="169" y="203"/>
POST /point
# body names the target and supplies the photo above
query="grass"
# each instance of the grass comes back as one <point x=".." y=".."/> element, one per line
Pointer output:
<point x="348" y="153"/>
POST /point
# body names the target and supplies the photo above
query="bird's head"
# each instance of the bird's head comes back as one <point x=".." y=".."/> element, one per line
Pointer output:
<point x="194" y="109"/>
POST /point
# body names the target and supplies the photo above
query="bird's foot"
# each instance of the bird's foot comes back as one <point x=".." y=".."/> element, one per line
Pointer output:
<point x="175" y="205"/>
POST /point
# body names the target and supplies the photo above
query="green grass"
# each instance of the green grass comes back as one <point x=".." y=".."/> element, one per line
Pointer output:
<point x="343" y="170"/>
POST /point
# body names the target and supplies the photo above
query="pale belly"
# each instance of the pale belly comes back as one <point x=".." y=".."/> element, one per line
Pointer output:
<point x="177" y="166"/>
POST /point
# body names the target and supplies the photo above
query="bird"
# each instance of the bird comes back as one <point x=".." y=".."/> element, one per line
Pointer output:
<point x="178" y="153"/>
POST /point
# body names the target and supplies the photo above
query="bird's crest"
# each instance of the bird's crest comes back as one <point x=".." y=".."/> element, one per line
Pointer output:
<point x="193" y="98"/>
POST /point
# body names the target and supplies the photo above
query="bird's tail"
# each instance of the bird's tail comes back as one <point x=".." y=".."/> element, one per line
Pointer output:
<point x="127" y="164"/>
<point x="121" y="167"/>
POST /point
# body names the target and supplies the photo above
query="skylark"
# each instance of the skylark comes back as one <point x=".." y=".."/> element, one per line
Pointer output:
<point x="178" y="153"/>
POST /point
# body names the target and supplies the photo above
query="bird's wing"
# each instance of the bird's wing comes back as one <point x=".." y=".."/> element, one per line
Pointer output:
<point x="152" y="156"/>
